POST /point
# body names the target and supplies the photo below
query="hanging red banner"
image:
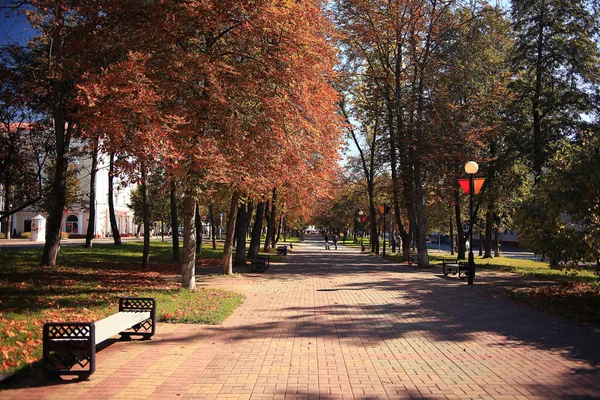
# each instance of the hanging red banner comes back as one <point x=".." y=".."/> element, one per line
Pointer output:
<point x="478" y="183"/>
<point x="464" y="184"/>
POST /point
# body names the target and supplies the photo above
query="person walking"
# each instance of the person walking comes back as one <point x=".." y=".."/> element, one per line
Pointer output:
<point x="335" y="240"/>
<point x="326" y="242"/>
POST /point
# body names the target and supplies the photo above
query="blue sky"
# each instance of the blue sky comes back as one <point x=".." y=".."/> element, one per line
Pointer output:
<point x="14" y="29"/>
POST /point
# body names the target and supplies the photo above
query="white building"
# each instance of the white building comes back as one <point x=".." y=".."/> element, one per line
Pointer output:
<point x="76" y="218"/>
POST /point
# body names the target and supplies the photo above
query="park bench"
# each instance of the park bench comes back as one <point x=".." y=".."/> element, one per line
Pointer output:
<point x="260" y="264"/>
<point x="456" y="267"/>
<point x="69" y="348"/>
<point x="282" y="250"/>
<point x="412" y="259"/>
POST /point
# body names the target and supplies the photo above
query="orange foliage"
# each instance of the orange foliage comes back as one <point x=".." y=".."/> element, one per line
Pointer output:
<point x="239" y="93"/>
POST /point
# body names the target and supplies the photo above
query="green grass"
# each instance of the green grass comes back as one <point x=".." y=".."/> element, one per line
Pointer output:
<point x="580" y="302"/>
<point x="290" y="239"/>
<point x="350" y="242"/>
<point x="528" y="268"/>
<point x="573" y="294"/>
<point x="86" y="285"/>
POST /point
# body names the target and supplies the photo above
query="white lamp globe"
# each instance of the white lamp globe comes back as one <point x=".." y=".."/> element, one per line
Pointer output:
<point x="471" y="167"/>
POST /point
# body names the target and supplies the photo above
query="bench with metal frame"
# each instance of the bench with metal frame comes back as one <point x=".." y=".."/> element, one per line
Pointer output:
<point x="412" y="259"/>
<point x="260" y="264"/>
<point x="69" y="348"/>
<point x="456" y="267"/>
<point x="282" y="250"/>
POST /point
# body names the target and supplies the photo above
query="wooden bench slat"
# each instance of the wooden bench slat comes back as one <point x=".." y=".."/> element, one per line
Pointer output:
<point x="118" y="322"/>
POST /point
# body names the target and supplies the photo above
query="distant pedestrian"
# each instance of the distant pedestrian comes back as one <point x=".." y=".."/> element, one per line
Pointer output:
<point x="335" y="240"/>
<point x="393" y="242"/>
<point x="326" y="242"/>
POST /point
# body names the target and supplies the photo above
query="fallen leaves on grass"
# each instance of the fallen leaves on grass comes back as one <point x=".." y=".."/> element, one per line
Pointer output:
<point x="577" y="301"/>
<point x="33" y="295"/>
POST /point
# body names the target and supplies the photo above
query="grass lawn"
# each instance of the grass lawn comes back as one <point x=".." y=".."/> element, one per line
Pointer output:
<point x="573" y="294"/>
<point x="86" y="285"/>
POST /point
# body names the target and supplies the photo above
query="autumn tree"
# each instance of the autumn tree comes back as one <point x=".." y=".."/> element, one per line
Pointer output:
<point x="25" y="145"/>
<point x="395" y="49"/>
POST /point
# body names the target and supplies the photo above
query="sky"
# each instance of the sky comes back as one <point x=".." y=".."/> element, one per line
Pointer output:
<point x="14" y="29"/>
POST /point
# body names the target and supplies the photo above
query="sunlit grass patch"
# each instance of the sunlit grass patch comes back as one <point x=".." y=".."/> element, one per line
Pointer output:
<point x="86" y="286"/>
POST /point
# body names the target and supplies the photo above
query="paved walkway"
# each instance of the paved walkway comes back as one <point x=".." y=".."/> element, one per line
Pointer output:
<point x="342" y="325"/>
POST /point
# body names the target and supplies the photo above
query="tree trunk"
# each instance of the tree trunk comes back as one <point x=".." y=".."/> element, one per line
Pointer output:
<point x="188" y="264"/>
<point x="198" y="225"/>
<point x="89" y="236"/>
<point x="7" y="202"/>
<point x="243" y="219"/>
<point x="211" y="216"/>
<point x="374" y="239"/>
<point x="228" y="246"/>
<point x="496" y="243"/>
<point x="489" y="225"/>
<point x="268" y="219"/>
<point x="111" y="201"/>
<point x="256" y="231"/>
<point x="59" y="188"/>
<point x="396" y="126"/>
<point x="239" y="260"/>
<point x="422" y="255"/>
<point x="280" y="225"/>
<point x="407" y="192"/>
<point x="460" y="233"/>
<point x="174" y="222"/>
<point x="146" y="217"/>
<point x="451" y="236"/>
<point x="273" y="220"/>
<point x="481" y="239"/>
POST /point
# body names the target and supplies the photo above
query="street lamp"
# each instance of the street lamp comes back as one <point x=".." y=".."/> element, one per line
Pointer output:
<point x="474" y="187"/>
<point x="362" y="233"/>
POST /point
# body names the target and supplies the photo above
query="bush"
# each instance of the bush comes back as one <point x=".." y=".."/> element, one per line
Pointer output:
<point x="2" y="235"/>
<point x="64" y="235"/>
<point x="26" y="235"/>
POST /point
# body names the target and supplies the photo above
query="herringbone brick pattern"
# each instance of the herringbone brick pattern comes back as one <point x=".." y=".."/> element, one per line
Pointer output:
<point x="341" y="325"/>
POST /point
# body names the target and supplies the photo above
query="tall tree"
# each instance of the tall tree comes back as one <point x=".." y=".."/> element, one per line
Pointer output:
<point x="174" y="222"/>
<point x="556" y="61"/>
<point x="116" y="235"/>
<point x="254" y="247"/>
<point x="89" y="236"/>
<point x="561" y="218"/>
<point x="241" y="228"/>
<point x="188" y="263"/>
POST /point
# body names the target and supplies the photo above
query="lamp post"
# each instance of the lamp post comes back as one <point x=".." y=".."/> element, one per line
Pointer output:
<point x="471" y="169"/>
<point x="385" y="211"/>
<point x="362" y="233"/>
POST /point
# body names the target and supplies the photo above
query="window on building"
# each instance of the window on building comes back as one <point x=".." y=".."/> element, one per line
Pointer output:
<point x="72" y="226"/>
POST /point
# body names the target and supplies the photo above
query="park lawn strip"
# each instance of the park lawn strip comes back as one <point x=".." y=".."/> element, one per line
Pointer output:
<point x="573" y="293"/>
<point x="86" y="286"/>
<point x="577" y="301"/>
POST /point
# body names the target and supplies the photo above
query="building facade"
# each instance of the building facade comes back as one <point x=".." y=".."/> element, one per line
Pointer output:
<point x="77" y="218"/>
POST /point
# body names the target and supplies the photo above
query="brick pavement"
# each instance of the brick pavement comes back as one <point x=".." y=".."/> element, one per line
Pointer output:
<point x="341" y="325"/>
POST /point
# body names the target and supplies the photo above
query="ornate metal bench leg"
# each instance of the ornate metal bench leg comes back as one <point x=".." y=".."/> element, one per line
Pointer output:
<point x="68" y="345"/>
<point x="145" y="329"/>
